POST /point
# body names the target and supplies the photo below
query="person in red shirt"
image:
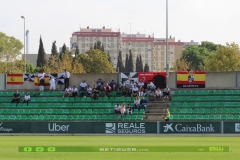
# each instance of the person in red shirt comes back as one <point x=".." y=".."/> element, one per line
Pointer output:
<point x="107" y="90"/>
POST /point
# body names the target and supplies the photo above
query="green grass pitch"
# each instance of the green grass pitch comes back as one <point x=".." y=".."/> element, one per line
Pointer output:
<point x="9" y="147"/>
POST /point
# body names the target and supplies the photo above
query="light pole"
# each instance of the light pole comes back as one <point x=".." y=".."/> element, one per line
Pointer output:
<point x="166" y="42"/>
<point x="24" y="46"/>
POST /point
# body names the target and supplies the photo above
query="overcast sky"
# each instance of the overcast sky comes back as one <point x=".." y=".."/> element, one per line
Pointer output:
<point x="198" y="20"/>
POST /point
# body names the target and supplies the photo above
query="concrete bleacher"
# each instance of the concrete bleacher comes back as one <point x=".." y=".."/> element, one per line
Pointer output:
<point x="205" y="105"/>
<point x="47" y="106"/>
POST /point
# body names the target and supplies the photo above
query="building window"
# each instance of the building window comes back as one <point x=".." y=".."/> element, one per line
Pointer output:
<point x="87" y="45"/>
<point x="129" y="44"/>
<point x="98" y="30"/>
<point x="93" y="30"/>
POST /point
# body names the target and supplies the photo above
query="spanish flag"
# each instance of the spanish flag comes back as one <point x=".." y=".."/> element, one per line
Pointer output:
<point x="46" y="78"/>
<point x="14" y="78"/>
<point x="191" y="79"/>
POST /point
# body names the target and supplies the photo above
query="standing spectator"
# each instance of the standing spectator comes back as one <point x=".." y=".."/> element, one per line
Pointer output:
<point x="52" y="82"/>
<point x="136" y="103"/>
<point x="74" y="92"/>
<point x="113" y="85"/>
<point x="107" y="90"/>
<point x="166" y="116"/>
<point x="26" y="98"/>
<point x="89" y="91"/>
<point x="95" y="93"/>
<point x="143" y="103"/>
<point x="83" y="86"/>
<point x="129" y="109"/>
<point x="158" y="93"/>
<point x="67" y="92"/>
<point x="16" y="98"/>
<point x="166" y="92"/>
<point x="41" y="81"/>
<point x="66" y="78"/>
<point x="134" y="91"/>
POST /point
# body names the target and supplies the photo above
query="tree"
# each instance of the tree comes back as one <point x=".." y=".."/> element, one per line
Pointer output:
<point x="77" y="50"/>
<point x="137" y="64"/>
<point x="182" y="65"/>
<point x="146" y="68"/>
<point x="54" y="64"/>
<point x="54" y="49"/>
<point x="64" y="51"/>
<point x="126" y="64"/>
<point x="120" y="65"/>
<point x="109" y="57"/>
<point x="41" y="60"/>
<point x="95" y="45"/>
<point x="141" y="64"/>
<point x="29" y="68"/>
<point x="10" y="48"/>
<point x="96" y="61"/>
<point x="71" y="64"/>
<point x="130" y="61"/>
<point x="226" y="58"/>
<point x="102" y="49"/>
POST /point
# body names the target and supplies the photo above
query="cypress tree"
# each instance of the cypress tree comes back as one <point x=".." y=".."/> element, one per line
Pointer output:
<point x="109" y="58"/>
<point x="137" y="64"/>
<point x="95" y="45"/>
<point x="120" y="62"/>
<point x="54" y="51"/>
<point x="77" y="51"/>
<point x="146" y="68"/>
<point x="130" y="60"/>
<point x="64" y="50"/>
<point x="41" y="60"/>
<point x="140" y="64"/>
<point x="126" y="64"/>
<point x="102" y="49"/>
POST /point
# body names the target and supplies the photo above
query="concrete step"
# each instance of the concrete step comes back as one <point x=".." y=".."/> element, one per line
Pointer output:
<point x="152" y="117"/>
<point x="155" y="110"/>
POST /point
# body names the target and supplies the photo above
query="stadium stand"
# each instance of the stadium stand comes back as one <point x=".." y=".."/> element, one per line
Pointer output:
<point x="51" y="106"/>
<point x="205" y="105"/>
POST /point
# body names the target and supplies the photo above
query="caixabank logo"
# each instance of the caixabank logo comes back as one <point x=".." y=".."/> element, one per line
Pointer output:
<point x="4" y="129"/>
<point x="125" y="128"/>
<point x="188" y="128"/>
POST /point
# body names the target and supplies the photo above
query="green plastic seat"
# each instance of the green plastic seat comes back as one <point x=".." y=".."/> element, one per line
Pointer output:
<point x="181" y="117"/>
<point x="193" y="117"/>
<point x="98" y="117"/>
<point x="40" y="117"/>
<point x="104" y="117"/>
<point x="207" y="111"/>
<point x="199" y="117"/>
<point x="189" y="111"/>
<point x="63" y="117"/>
<point x="236" y="117"/>
<point x="219" y="110"/>
<point x="230" y="117"/>
<point x="224" y="117"/>
<point x="205" y="117"/>
<point x="187" y="117"/>
<point x="231" y="110"/>
<point x="218" y="117"/>
<point x="212" y="117"/>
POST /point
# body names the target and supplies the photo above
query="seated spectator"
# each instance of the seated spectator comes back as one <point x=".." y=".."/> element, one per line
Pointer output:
<point x="52" y="82"/>
<point x="117" y="109"/>
<point x="99" y="83"/>
<point x="158" y="93"/>
<point x="121" y="85"/>
<point x="89" y="91"/>
<point x="166" y="92"/>
<point x="122" y="110"/>
<point x="74" y="92"/>
<point x="143" y="103"/>
<point x="129" y="110"/>
<point x="141" y="92"/>
<point x="16" y="98"/>
<point x="26" y="98"/>
<point x="140" y="83"/>
<point x="101" y="88"/>
<point x="95" y="93"/>
<point x="67" y="92"/>
<point x="107" y="90"/>
<point x="132" y="83"/>
<point x="151" y="86"/>
<point x="124" y="91"/>
<point x="134" y="91"/>
<point x="136" y="103"/>
<point x="83" y="86"/>
<point x="113" y="85"/>
<point x="166" y="116"/>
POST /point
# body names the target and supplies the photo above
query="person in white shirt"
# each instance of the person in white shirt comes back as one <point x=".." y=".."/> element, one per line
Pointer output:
<point x="41" y="81"/>
<point x="121" y="85"/>
<point x="26" y="98"/>
<point x="134" y="91"/>
<point x="132" y="83"/>
<point x="158" y="93"/>
<point x="122" y="110"/>
<point x="68" y="91"/>
<point x="74" y="92"/>
<point x="83" y="86"/>
<point x="141" y="92"/>
<point x="136" y="103"/>
<point x="151" y="86"/>
<point x="140" y="83"/>
<point x="117" y="109"/>
<point x="89" y="90"/>
<point x="52" y="82"/>
<point x="66" y="78"/>
<point x="166" y="92"/>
